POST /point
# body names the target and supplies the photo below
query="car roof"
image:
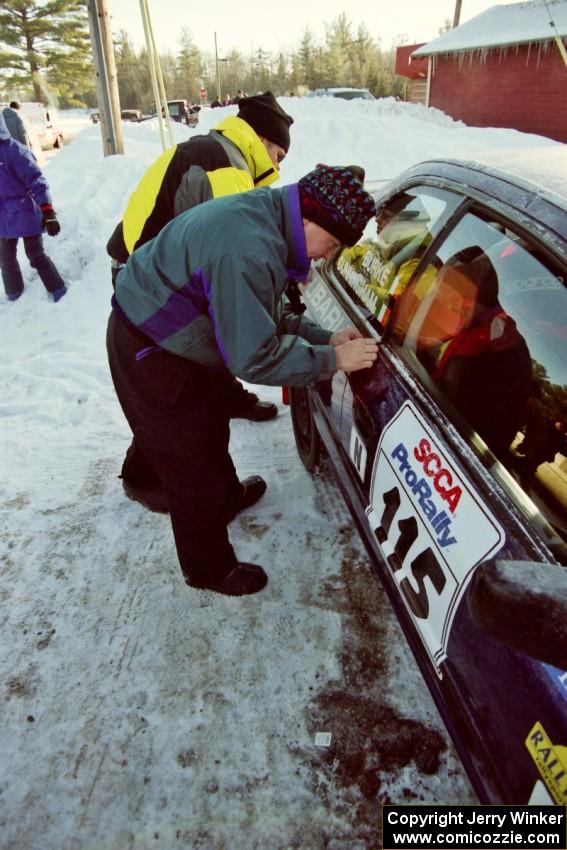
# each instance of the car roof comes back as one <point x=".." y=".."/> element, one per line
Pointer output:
<point x="543" y="170"/>
<point x="531" y="185"/>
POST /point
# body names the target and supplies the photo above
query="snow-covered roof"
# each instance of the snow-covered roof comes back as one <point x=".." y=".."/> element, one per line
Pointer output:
<point x="515" y="23"/>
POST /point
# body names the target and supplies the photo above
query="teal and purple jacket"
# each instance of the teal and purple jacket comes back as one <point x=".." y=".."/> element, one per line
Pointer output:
<point x="210" y="288"/>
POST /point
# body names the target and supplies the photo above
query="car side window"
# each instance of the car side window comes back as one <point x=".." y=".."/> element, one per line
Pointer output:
<point x="487" y="321"/>
<point x="376" y="271"/>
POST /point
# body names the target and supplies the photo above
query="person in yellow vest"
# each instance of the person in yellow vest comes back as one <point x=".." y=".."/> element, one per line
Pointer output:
<point x="241" y="153"/>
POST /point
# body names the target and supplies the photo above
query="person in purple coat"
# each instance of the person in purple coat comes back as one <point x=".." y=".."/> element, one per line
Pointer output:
<point x="25" y="211"/>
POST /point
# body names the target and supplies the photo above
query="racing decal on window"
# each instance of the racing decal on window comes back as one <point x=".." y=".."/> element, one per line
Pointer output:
<point x="431" y="526"/>
<point x="358" y="453"/>
<point x="366" y="281"/>
<point x="551" y="761"/>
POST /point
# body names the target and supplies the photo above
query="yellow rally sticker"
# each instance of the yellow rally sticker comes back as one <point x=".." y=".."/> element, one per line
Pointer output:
<point x="551" y="761"/>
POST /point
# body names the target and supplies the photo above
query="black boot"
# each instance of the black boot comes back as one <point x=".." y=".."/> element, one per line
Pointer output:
<point x="242" y="580"/>
<point x="141" y="483"/>
<point x="154" y="499"/>
<point x="250" y="407"/>
<point x="253" y="488"/>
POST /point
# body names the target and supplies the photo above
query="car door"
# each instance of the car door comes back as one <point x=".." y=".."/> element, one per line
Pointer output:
<point x="457" y="437"/>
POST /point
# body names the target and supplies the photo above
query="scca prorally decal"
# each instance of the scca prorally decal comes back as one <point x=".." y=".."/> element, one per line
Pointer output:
<point x="432" y="527"/>
<point x="442" y="483"/>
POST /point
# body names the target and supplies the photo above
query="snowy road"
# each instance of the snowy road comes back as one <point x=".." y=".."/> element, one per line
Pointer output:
<point x="142" y="714"/>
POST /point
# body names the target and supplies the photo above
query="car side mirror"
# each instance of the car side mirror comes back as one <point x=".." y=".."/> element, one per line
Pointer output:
<point x="524" y="605"/>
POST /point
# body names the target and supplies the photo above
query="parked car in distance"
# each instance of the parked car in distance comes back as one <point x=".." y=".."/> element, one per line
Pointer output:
<point x="451" y="451"/>
<point x="131" y="115"/>
<point x="183" y="113"/>
<point x="39" y="119"/>
<point x="344" y="93"/>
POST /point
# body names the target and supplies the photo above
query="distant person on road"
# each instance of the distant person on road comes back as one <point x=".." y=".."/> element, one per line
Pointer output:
<point x="241" y="153"/>
<point x="190" y="309"/>
<point x="15" y="125"/>
<point x="25" y="211"/>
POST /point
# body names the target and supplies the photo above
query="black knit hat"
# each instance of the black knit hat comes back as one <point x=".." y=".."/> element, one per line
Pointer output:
<point x="332" y="196"/>
<point x="266" y="117"/>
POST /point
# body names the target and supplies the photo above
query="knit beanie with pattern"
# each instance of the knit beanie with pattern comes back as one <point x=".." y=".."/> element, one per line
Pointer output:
<point x="332" y="196"/>
<point x="266" y="117"/>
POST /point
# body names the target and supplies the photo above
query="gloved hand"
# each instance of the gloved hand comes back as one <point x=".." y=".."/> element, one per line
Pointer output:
<point x="50" y="222"/>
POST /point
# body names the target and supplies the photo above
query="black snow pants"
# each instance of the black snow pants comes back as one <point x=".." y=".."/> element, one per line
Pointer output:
<point x="179" y="414"/>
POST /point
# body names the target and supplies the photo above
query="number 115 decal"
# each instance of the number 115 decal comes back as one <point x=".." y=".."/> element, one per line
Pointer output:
<point x="431" y="526"/>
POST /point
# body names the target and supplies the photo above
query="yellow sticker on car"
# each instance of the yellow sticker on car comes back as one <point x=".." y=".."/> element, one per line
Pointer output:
<point x="551" y="761"/>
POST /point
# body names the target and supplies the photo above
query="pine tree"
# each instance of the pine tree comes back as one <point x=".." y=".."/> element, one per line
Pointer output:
<point x="361" y="57"/>
<point x="281" y="85"/>
<point x="236" y="74"/>
<point x="48" y="46"/>
<point x="263" y="75"/>
<point x="133" y="80"/>
<point x="188" y="68"/>
<point x="307" y="58"/>
<point x="341" y="48"/>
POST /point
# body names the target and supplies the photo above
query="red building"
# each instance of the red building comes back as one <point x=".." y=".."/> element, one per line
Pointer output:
<point x="415" y="70"/>
<point x="504" y="68"/>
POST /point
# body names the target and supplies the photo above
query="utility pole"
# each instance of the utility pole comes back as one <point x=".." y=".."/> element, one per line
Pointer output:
<point x="457" y="15"/>
<point x="217" y="66"/>
<point x="158" y="87"/>
<point x="105" y="77"/>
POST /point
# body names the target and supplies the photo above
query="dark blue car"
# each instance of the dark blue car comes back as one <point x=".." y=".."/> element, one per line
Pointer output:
<point x="451" y="452"/>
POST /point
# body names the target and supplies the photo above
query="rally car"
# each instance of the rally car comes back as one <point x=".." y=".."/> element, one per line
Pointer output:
<point x="451" y="452"/>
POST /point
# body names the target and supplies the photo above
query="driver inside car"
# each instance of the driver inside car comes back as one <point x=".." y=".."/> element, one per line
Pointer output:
<point x="473" y="349"/>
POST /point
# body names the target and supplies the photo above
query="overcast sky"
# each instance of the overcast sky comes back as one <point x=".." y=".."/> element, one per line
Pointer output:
<point x="280" y="24"/>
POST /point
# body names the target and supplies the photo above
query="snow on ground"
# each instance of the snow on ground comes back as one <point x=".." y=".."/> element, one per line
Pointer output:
<point x="139" y="713"/>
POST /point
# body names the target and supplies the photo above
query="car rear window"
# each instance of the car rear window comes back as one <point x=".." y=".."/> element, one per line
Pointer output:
<point x="354" y="95"/>
<point x="487" y="321"/>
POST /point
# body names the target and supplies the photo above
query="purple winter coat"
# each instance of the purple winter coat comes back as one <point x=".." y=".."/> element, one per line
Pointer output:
<point x="23" y="188"/>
